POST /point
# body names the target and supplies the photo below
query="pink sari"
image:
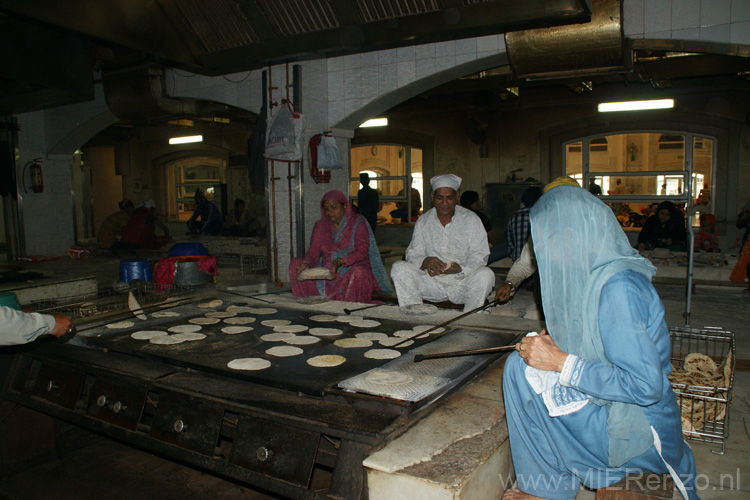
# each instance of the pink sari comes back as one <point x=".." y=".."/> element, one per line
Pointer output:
<point x="363" y="270"/>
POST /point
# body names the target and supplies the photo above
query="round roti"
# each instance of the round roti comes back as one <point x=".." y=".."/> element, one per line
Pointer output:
<point x="221" y="314"/>
<point x="275" y="322"/>
<point x="262" y="310"/>
<point x="283" y="351"/>
<point x="372" y="336"/>
<point x="348" y="319"/>
<point x="250" y="364"/>
<point x="382" y="354"/>
<point x="204" y="321"/>
<point x="365" y="323"/>
<point x="404" y="333"/>
<point x="165" y="314"/>
<point x="314" y="273"/>
<point x="323" y="317"/>
<point x="185" y="328"/>
<point x="302" y="340"/>
<point x="697" y="362"/>
<point x="167" y="339"/>
<point x="234" y="330"/>
<point x="190" y="336"/>
<point x="242" y="320"/>
<point x="353" y="342"/>
<point x="326" y="361"/>
<point x="147" y="334"/>
<point x="277" y="337"/>
<point x="212" y="304"/>
<point x="389" y="378"/>
<point x="239" y="309"/>
<point x="119" y="325"/>
<point x="290" y="328"/>
<point x="391" y="341"/>
<point x="325" y="332"/>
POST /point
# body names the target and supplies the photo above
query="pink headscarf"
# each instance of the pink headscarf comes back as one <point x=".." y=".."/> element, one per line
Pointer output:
<point x="344" y="237"/>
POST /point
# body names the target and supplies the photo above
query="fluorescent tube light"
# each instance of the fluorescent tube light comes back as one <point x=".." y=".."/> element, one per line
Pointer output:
<point x="186" y="139"/>
<point x="636" y="105"/>
<point x="375" y="122"/>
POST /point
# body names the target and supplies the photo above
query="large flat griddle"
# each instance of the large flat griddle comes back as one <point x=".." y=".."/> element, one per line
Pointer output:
<point x="290" y="373"/>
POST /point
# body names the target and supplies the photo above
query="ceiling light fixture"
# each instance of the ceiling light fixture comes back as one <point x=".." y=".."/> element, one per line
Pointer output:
<point x="605" y="107"/>
<point x="186" y="139"/>
<point x="375" y="122"/>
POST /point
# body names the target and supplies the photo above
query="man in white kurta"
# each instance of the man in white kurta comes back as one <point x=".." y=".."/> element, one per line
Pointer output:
<point x="447" y="256"/>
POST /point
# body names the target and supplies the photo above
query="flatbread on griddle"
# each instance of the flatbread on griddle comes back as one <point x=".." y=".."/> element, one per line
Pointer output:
<point x="119" y="325"/>
<point x="249" y="364"/>
<point x="165" y="314"/>
<point x="204" y="321"/>
<point x="262" y="310"/>
<point x="354" y="342"/>
<point x="326" y="361"/>
<point x="382" y="354"/>
<point x="365" y="323"/>
<point x="325" y="332"/>
<point x="234" y="330"/>
<point x="302" y="340"/>
<point x="190" y="336"/>
<point x="239" y="320"/>
<point x="277" y="336"/>
<point x="185" y="328"/>
<point x="391" y="341"/>
<point x="167" y="340"/>
<point x="275" y="322"/>
<point x="290" y="328"/>
<point x="284" y="351"/>
<point x="323" y="317"/>
<point x="212" y="304"/>
<point x="372" y="335"/>
<point x="221" y="314"/>
<point x="147" y="334"/>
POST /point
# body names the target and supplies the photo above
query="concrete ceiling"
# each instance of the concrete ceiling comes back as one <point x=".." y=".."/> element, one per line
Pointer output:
<point x="51" y="47"/>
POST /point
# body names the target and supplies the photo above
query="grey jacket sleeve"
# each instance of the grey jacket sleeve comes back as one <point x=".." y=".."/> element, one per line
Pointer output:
<point x="18" y="327"/>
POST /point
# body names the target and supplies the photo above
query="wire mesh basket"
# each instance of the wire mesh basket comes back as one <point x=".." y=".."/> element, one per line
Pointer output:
<point x="703" y="362"/>
<point x="111" y="300"/>
<point x="246" y="263"/>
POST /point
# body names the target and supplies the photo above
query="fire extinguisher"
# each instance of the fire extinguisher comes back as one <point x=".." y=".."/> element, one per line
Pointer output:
<point x="35" y="171"/>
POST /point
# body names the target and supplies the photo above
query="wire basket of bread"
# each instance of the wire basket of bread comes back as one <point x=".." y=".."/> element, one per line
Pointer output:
<point x="702" y="377"/>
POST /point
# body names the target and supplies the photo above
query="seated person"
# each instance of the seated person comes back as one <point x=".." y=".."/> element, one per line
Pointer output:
<point x="110" y="231"/>
<point x="402" y="206"/>
<point x="343" y="242"/>
<point x="588" y="400"/>
<point x="470" y="200"/>
<point x="665" y="229"/>
<point x="447" y="256"/>
<point x="140" y="232"/>
<point x="240" y="222"/>
<point x="707" y="240"/>
<point x="206" y="218"/>
<point x="518" y="230"/>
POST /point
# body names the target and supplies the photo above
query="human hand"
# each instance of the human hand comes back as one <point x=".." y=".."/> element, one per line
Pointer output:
<point x="452" y="268"/>
<point x="301" y="268"/>
<point x="335" y="267"/>
<point x="433" y="266"/>
<point x="542" y="352"/>
<point x="63" y="325"/>
<point x="503" y="293"/>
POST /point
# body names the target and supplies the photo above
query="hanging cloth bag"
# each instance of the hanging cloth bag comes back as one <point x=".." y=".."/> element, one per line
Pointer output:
<point x="328" y="154"/>
<point x="284" y="138"/>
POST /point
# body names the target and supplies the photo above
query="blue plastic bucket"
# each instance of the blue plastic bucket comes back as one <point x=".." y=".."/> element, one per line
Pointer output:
<point x="135" y="270"/>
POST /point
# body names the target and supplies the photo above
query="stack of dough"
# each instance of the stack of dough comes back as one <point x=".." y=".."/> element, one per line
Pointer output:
<point x="702" y="389"/>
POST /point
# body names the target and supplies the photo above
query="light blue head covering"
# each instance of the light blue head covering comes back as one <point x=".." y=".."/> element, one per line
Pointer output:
<point x="579" y="245"/>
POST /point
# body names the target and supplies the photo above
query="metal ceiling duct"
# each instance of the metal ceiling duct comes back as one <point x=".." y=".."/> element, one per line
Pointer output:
<point x="565" y="51"/>
<point x="140" y="95"/>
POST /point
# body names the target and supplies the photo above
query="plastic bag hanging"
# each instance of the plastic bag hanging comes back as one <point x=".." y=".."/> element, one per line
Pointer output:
<point x="284" y="137"/>
<point x="328" y="154"/>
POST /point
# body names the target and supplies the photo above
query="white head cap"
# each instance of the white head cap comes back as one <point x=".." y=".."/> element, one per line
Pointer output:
<point x="445" y="181"/>
<point x="149" y="204"/>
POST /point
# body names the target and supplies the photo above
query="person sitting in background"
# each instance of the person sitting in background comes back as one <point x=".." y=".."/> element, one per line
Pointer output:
<point x="368" y="201"/>
<point x="518" y="229"/>
<point x="588" y="400"/>
<point x="206" y="218"/>
<point x="343" y="242"/>
<point x="594" y="188"/>
<point x="17" y="327"/>
<point x="665" y="229"/>
<point x="470" y="200"/>
<point x="110" y="232"/>
<point x="447" y="256"/>
<point x="402" y="206"/>
<point x="140" y="232"/>
<point x="707" y="240"/>
<point x="240" y="222"/>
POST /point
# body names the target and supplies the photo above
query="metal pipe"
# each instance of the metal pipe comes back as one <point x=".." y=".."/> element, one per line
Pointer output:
<point x="470" y="352"/>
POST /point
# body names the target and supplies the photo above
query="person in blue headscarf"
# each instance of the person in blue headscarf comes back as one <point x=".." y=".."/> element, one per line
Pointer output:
<point x="588" y="400"/>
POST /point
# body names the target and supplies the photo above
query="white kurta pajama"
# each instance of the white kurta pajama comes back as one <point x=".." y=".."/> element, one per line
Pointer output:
<point x="463" y="241"/>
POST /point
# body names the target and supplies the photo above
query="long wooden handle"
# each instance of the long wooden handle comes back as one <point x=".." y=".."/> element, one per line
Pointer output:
<point x="470" y="352"/>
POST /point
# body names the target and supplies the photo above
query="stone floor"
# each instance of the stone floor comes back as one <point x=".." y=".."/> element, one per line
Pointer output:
<point x="109" y="470"/>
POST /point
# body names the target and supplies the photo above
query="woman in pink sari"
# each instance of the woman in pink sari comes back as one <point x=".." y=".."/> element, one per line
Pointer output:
<point x="343" y="242"/>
